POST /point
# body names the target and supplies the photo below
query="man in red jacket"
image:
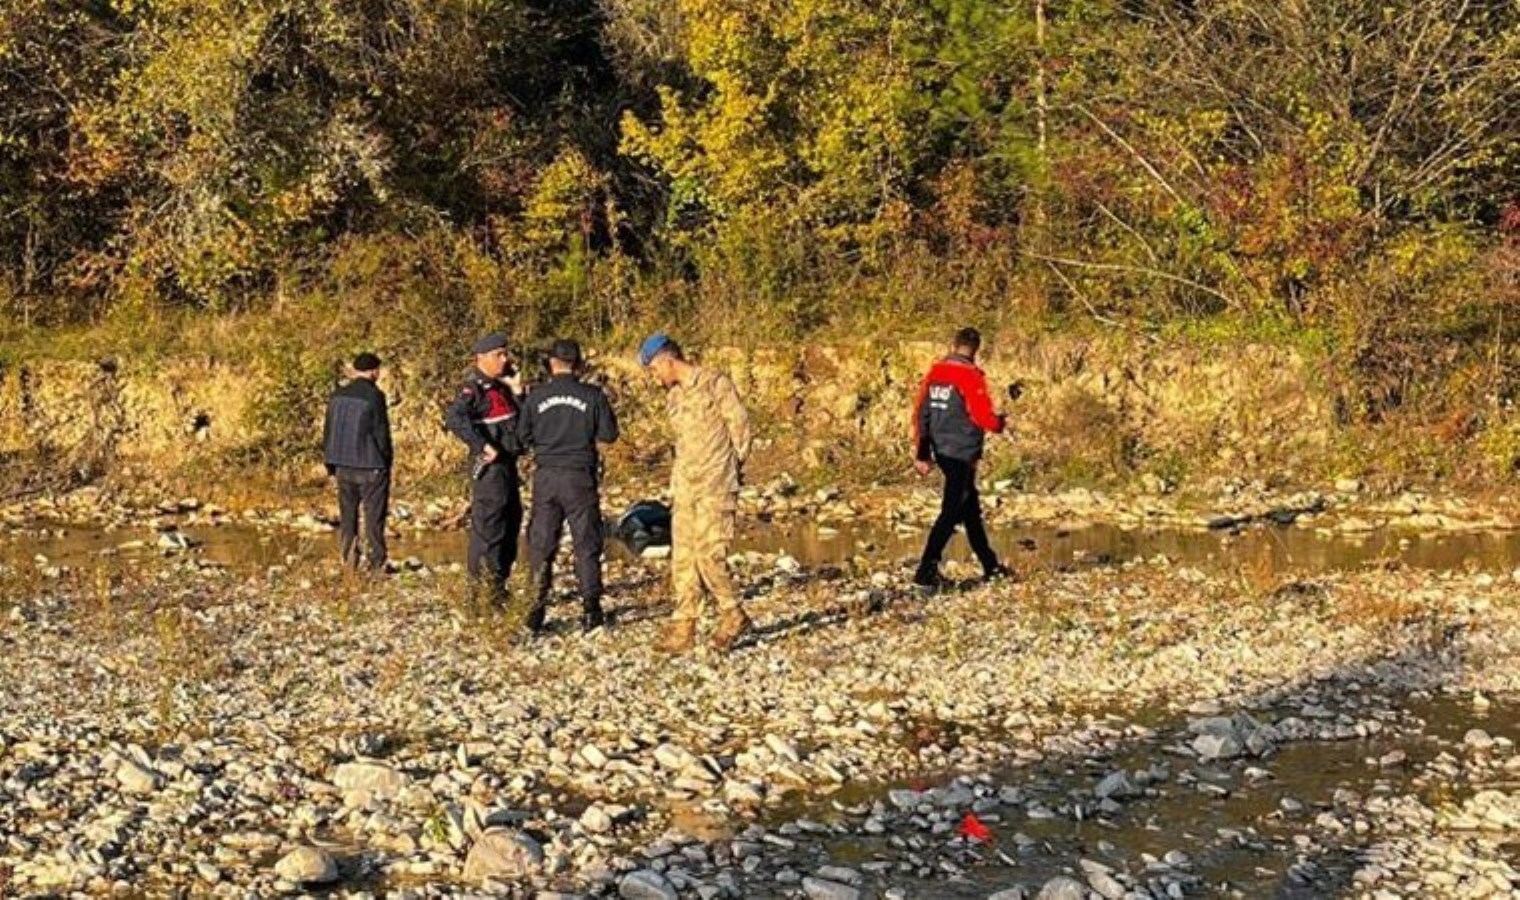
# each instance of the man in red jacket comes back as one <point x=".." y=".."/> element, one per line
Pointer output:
<point x="951" y="418"/>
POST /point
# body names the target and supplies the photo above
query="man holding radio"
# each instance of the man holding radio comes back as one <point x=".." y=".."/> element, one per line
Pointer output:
<point x="484" y="416"/>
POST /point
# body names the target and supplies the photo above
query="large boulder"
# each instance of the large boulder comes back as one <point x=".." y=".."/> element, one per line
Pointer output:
<point x="505" y="854"/>
<point x="307" y="865"/>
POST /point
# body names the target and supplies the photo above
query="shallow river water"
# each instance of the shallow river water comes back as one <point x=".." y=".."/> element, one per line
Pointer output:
<point x="1278" y="549"/>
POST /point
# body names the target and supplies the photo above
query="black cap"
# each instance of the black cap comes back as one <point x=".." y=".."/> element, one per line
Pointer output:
<point x="496" y="340"/>
<point x="366" y="362"/>
<point x="566" y="350"/>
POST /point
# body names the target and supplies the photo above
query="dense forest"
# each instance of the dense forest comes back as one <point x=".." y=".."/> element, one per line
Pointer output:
<point x="1333" y="167"/>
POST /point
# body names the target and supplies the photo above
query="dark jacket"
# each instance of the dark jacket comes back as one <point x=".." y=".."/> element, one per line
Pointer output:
<point x="953" y="412"/>
<point x="357" y="432"/>
<point x="484" y="412"/>
<point x="563" y="420"/>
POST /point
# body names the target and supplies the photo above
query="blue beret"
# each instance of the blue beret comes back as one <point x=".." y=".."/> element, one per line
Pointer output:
<point x="496" y="340"/>
<point x="652" y="346"/>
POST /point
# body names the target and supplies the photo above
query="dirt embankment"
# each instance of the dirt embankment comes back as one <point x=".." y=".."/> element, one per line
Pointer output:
<point x="1112" y="411"/>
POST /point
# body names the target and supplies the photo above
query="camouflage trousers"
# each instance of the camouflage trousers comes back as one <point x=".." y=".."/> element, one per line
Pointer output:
<point x="702" y="531"/>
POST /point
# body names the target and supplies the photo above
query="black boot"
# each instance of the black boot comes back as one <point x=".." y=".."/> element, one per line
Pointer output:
<point x="535" y="620"/>
<point x="538" y="613"/>
<point x="592" y="616"/>
<point x="927" y="577"/>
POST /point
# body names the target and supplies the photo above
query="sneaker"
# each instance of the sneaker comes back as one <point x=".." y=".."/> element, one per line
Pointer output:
<point x="927" y="581"/>
<point x="999" y="572"/>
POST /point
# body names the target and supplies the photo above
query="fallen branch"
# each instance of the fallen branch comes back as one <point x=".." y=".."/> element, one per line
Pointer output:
<point x="1091" y="310"/>
<point x="1133" y="270"/>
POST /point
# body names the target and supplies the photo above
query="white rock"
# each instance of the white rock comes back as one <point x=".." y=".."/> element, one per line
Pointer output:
<point x="307" y="865"/>
<point x="1210" y="747"/>
<point x="646" y="884"/>
<point x="137" y="779"/>
<point x="824" y="889"/>
<point x="1117" y="786"/>
<point x="782" y="748"/>
<point x="503" y="853"/>
<point x="379" y="780"/>
<point x="1062" y="888"/>
<point x="840" y="874"/>
<point x="674" y="758"/>
<point x="596" y="820"/>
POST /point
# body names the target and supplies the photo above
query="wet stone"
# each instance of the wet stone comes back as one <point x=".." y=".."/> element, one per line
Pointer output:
<point x="1117" y="786"/>
<point x="824" y="889"/>
<point x="646" y="884"/>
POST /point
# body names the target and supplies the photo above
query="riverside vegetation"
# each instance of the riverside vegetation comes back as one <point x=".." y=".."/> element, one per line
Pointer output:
<point x="254" y="189"/>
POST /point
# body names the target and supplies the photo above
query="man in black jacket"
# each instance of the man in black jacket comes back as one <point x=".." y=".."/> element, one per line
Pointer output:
<point x="562" y="422"/>
<point x="356" y="440"/>
<point x="484" y="416"/>
<point x="951" y="417"/>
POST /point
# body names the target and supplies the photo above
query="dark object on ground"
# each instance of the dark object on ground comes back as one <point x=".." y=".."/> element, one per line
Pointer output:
<point x="1015" y="390"/>
<point x="645" y="524"/>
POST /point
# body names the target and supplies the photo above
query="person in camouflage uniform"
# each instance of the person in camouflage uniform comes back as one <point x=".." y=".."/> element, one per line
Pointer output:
<point x="712" y="440"/>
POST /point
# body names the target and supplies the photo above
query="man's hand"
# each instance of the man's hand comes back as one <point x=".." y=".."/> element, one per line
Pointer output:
<point x="514" y="382"/>
<point x="922" y="467"/>
<point x="489" y="454"/>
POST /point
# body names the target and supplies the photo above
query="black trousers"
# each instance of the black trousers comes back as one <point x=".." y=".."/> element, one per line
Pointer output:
<point x="369" y="491"/>
<point x="960" y="505"/>
<point x="560" y="496"/>
<point x="495" y="520"/>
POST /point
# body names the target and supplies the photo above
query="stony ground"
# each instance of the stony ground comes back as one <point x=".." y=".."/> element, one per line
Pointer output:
<point x="172" y="728"/>
<point x="1344" y="507"/>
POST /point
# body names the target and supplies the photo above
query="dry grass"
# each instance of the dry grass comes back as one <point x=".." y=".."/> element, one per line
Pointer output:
<point x="1377" y="607"/>
<point x="1260" y="576"/>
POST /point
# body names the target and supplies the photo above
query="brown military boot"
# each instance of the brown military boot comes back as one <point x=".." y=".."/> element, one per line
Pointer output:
<point x="680" y="637"/>
<point x="730" y="628"/>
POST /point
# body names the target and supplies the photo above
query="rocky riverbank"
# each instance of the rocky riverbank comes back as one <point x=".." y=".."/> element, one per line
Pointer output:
<point x="176" y="727"/>
<point x="905" y="505"/>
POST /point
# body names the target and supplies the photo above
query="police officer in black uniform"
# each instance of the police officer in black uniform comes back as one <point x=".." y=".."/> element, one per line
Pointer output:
<point x="562" y="422"/>
<point x="484" y="415"/>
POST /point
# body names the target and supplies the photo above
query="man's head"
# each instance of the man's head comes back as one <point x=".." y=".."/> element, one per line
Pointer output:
<point x="564" y="357"/>
<point x="967" y="342"/>
<point x="491" y="356"/>
<point x="367" y="365"/>
<point x="662" y="358"/>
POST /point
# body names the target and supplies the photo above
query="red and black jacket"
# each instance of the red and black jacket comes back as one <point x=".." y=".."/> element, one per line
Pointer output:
<point x="953" y="412"/>
<point x="484" y="413"/>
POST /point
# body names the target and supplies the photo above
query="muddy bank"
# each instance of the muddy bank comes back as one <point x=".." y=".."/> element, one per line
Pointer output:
<point x="1153" y="419"/>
